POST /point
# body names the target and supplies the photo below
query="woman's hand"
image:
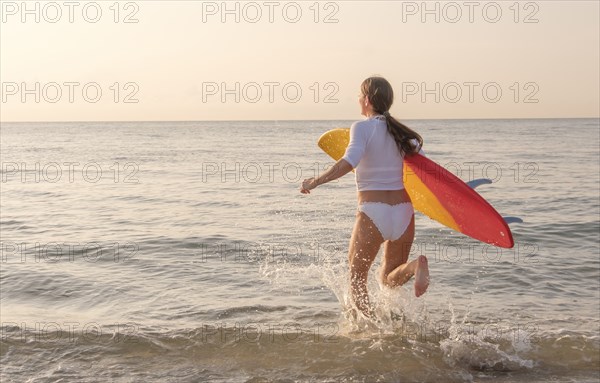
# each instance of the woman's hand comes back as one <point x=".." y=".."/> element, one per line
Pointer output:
<point x="333" y="173"/>
<point x="307" y="185"/>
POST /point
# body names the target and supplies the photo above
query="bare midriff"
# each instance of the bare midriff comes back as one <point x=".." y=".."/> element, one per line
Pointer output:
<point x="391" y="197"/>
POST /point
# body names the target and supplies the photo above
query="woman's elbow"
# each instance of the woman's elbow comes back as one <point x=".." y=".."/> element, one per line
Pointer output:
<point x="344" y="166"/>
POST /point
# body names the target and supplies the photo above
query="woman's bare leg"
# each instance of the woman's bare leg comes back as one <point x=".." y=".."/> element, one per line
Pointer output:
<point x="364" y="245"/>
<point x="396" y="271"/>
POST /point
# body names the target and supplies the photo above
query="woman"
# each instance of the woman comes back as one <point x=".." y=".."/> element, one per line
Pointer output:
<point x="385" y="212"/>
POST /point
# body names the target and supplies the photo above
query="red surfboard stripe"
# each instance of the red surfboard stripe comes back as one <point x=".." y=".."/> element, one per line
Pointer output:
<point x="474" y="215"/>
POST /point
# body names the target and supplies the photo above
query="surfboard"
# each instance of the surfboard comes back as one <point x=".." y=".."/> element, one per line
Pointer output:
<point x="438" y="194"/>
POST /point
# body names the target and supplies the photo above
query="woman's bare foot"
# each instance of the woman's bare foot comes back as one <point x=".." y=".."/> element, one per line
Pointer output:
<point x="421" y="276"/>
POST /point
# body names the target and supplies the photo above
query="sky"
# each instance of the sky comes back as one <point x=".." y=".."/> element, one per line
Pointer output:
<point x="302" y="60"/>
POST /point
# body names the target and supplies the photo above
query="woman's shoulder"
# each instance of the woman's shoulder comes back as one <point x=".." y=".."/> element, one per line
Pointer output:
<point x="359" y="123"/>
<point x="364" y="124"/>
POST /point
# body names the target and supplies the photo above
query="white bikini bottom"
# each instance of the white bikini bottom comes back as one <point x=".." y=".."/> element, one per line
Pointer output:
<point x="390" y="220"/>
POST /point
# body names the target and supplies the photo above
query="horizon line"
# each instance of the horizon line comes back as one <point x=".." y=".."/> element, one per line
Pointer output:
<point x="315" y="120"/>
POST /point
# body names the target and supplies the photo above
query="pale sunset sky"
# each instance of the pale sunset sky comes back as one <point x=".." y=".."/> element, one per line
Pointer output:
<point x="303" y="60"/>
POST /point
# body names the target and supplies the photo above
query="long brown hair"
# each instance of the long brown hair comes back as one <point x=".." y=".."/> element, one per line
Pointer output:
<point x="381" y="96"/>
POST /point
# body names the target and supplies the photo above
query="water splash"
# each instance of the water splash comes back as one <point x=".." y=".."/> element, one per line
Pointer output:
<point x="465" y="345"/>
<point x="481" y="346"/>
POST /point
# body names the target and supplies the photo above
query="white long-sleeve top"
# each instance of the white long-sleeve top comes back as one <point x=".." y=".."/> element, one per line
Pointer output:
<point x="373" y="152"/>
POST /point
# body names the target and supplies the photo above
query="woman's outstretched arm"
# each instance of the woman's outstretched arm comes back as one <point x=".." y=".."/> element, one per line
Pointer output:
<point x="340" y="168"/>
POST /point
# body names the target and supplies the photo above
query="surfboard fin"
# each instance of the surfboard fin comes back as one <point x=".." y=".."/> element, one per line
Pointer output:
<point x="510" y="220"/>
<point x="478" y="182"/>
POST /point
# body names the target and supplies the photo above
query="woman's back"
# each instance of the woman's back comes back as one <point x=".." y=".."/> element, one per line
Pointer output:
<point x="375" y="156"/>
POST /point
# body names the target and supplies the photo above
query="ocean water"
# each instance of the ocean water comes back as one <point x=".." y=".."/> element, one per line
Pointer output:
<point x="183" y="252"/>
